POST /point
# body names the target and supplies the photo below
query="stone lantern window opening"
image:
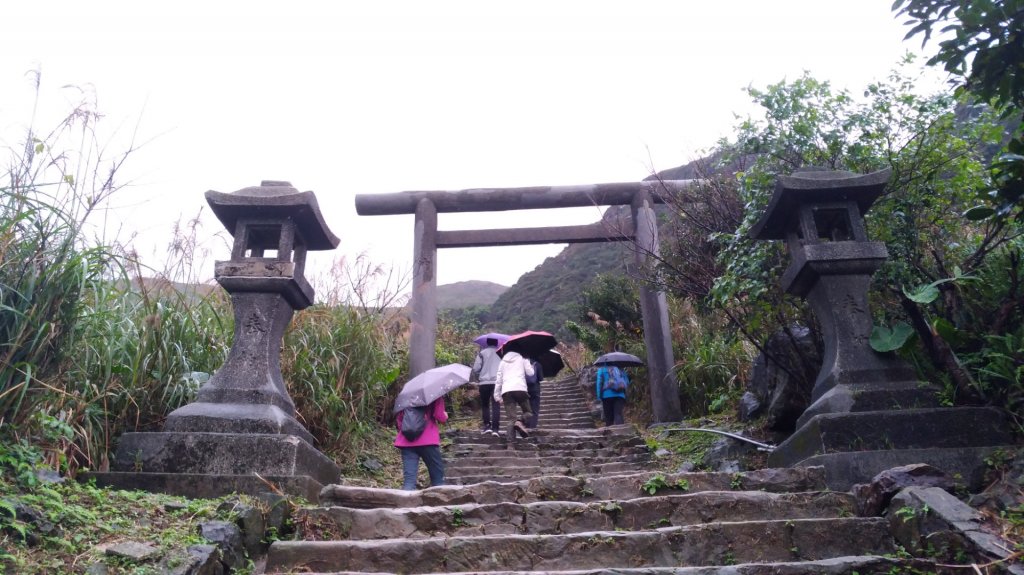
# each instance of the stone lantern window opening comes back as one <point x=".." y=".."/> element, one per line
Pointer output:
<point x="832" y="222"/>
<point x="268" y="240"/>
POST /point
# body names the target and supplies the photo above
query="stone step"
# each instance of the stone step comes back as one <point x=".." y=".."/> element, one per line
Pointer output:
<point x="551" y="435"/>
<point x="610" y="471"/>
<point x="561" y="517"/>
<point x="519" y="460"/>
<point x="611" y="431"/>
<point x="487" y="451"/>
<point x="468" y="475"/>
<point x="538" y="442"/>
<point x="534" y="444"/>
<point x="563" y="399"/>
<point x="851" y="565"/>
<point x="545" y="416"/>
<point x="721" y="543"/>
<point x="567" y="400"/>
<point x="567" y="413"/>
<point x="586" y="488"/>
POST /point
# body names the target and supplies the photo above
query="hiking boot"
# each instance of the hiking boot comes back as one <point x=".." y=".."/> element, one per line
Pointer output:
<point x="518" y="426"/>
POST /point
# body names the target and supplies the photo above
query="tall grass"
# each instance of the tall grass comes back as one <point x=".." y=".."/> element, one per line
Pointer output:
<point x="47" y="267"/>
<point x="341" y="359"/>
<point x="92" y="344"/>
<point x="712" y="361"/>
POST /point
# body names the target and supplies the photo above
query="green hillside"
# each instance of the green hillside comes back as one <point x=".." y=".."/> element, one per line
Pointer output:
<point x="546" y="297"/>
<point x="468" y="294"/>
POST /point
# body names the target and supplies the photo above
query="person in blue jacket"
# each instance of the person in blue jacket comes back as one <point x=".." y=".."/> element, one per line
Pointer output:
<point x="611" y="383"/>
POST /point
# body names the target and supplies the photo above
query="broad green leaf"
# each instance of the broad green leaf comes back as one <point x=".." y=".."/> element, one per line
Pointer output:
<point x="884" y="339"/>
<point x="978" y="213"/>
<point x="949" y="332"/>
<point x="924" y="294"/>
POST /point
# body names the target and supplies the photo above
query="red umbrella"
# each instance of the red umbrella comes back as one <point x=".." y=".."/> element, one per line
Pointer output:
<point x="529" y="343"/>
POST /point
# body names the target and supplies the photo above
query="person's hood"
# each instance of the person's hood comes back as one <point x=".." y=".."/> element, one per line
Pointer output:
<point x="511" y="356"/>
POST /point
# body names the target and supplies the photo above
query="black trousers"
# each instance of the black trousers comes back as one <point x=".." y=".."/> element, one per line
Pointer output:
<point x="490" y="409"/>
<point x="533" y="389"/>
<point x="613" y="407"/>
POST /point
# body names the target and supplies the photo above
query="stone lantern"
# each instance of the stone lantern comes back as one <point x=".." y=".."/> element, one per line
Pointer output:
<point x="243" y="423"/>
<point x="820" y="215"/>
<point x="869" y="412"/>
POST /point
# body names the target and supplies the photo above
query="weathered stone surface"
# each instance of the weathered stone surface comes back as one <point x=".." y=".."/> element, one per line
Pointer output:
<point x="727" y="455"/>
<point x="781" y="379"/>
<point x="135" y="551"/>
<point x="930" y="520"/>
<point x="550" y="488"/>
<point x="1004" y="492"/>
<point x="850" y="565"/>
<point x="894" y="430"/>
<point x="228" y="538"/>
<point x="222" y="454"/>
<point x="37" y="525"/>
<point x="200" y="560"/>
<point x="250" y="522"/>
<point x="206" y="485"/>
<point x="97" y="569"/>
<point x="712" y="544"/>
<point x="872" y="498"/>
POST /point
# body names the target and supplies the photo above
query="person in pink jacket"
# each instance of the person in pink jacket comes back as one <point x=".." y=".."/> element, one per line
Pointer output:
<point x="426" y="447"/>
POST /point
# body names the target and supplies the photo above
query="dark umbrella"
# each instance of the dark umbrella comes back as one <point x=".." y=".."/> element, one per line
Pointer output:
<point x="551" y="362"/>
<point x="430" y="385"/>
<point x="619" y="359"/>
<point x="529" y="343"/>
<point x="482" y="339"/>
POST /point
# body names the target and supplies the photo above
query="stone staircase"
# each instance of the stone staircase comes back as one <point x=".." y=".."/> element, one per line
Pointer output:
<point x="574" y="499"/>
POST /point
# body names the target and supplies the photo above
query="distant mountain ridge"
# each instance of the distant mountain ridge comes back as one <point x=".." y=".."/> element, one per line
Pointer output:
<point x="471" y="293"/>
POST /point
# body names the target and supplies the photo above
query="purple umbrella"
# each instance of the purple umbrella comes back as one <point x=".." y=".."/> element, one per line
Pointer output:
<point x="430" y="385"/>
<point x="482" y="340"/>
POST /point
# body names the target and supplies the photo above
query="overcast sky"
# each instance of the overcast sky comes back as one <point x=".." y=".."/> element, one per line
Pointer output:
<point x="346" y="98"/>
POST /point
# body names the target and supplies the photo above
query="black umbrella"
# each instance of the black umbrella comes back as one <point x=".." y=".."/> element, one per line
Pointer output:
<point x="529" y="343"/>
<point x="619" y="359"/>
<point x="551" y="362"/>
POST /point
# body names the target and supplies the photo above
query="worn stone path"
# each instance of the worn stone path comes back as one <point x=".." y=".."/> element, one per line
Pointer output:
<point x="577" y="499"/>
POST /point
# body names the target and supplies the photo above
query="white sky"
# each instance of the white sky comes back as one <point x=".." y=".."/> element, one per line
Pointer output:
<point x="347" y="98"/>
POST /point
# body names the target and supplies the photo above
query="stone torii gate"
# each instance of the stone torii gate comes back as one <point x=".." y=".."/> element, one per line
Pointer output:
<point x="640" y="196"/>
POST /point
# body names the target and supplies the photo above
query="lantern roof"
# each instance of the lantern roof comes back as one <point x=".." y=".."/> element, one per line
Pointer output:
<point x="815" y="186"/>
<point x="275" y="200"/>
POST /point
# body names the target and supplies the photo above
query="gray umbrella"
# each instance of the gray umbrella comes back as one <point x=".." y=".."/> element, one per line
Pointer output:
<point x="619" y="359"/>
<point x="430" y="385"/>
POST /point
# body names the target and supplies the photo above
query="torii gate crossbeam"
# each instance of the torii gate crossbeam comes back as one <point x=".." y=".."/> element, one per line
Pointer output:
<point x="640" y="196"/>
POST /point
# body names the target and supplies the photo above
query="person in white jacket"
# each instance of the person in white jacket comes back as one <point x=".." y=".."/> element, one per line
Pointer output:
<point x="510" y="390"/>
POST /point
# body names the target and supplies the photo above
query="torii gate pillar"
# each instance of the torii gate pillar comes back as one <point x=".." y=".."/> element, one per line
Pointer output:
<point x="654" y="306"/>
<point x="423" y="316"/>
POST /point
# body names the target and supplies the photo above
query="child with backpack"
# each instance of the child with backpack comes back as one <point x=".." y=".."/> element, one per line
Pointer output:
<point x="419" y="438"/>
<point x="611" y="384"/>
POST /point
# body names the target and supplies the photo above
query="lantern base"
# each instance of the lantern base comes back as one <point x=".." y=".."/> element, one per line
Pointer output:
<point x="235" y="418"/>
<point x="238" y="460"/>
<point x="845" y="442"/>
